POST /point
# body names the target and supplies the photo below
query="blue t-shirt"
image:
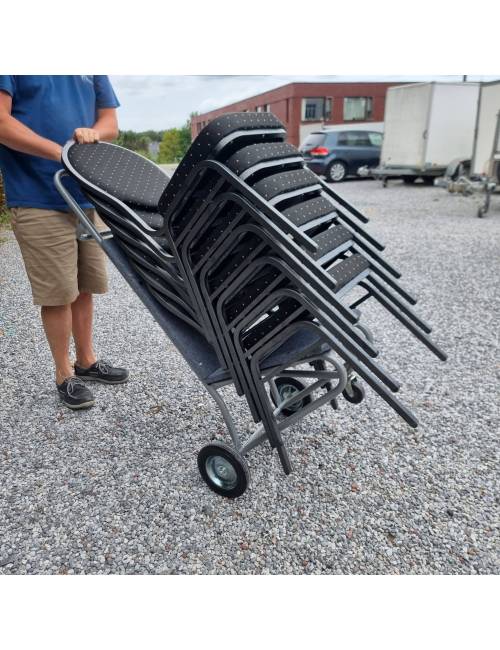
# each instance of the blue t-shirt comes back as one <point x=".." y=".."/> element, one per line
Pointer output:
<point x="52" y="106"/>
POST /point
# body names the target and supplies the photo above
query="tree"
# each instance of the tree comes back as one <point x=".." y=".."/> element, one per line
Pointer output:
<point x="185" y="136"/>
<point x="170" y="147"/>
<point x="135" y="141"/>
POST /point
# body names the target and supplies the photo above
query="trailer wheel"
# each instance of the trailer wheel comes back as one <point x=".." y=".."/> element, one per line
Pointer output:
<point x="336" y="171"/>
<point x="409" y="180"/>
<point x="428" y="180"/>
<point x="354" y="393"/>
<point x="223" y="469"/>
<point x="286" y="387"/>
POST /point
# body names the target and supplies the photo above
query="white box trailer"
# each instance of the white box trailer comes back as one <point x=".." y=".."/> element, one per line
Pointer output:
<point x="486" y="152"/>
<point x="484" y="176"/>
<point x="427" y="125"/>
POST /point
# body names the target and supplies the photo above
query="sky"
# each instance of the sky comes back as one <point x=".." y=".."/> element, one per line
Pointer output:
<point x="162" y="101"/>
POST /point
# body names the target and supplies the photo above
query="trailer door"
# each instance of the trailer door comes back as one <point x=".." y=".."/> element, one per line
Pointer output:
<point x="489" y="110"/>
<point x="406" y="117"/>
<point x="450" y="133"/>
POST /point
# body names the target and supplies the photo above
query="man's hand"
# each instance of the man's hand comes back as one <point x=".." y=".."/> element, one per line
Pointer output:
<point x="86" y="136"/>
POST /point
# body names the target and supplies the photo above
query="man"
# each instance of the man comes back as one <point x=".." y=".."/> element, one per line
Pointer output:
<point x="38" y="114"/>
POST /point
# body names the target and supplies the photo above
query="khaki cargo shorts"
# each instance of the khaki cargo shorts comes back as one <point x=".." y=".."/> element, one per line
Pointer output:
<point x="59" y="267"/>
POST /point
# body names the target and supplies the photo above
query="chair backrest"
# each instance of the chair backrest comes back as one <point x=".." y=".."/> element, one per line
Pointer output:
<point x="126" y="175"/>
<point x="218" y="140"/>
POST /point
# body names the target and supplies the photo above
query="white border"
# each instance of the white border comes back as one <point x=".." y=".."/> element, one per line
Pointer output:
<point x="249" y="613"/>
<point x="236" y="37"/>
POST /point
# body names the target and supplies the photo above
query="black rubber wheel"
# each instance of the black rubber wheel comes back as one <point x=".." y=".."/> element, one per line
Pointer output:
<point x="223" y="469"/>
<point x="286" y="387"/>
<point x="409" y="180"/>
<point x="357" y="393"/>
<point x="480" y="212"/>
<point x="336" y="171"/>
<point x="428" y="180"/>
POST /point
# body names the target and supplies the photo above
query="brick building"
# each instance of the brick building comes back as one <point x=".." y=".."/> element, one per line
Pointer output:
<point x="306" y="106"/>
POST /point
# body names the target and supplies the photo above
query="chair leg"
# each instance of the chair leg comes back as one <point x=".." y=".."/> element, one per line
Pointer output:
<point x="416" y="331"/>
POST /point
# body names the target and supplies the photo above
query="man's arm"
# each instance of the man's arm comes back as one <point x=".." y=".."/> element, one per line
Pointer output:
<point x="105" y="128"/>
<point x="15" y="135"/>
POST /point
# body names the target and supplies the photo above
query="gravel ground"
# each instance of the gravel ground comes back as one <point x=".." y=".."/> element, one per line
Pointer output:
<point x="116" y="489"/>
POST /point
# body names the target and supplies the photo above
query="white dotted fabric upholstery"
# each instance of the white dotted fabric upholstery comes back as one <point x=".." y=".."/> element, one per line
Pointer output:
<point x="348" y="269"/>
<point x="308" y="210"/>
<point x="331" y="239"/>
<point x="277" y="184"/>
<point x="204" y="146"/>
<point x="126" y="175"/>
<point x="256" y="153"/>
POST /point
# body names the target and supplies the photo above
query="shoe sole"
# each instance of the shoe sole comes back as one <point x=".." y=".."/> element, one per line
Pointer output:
<point x="102" y="381"/>
<point x="77" y="407"/>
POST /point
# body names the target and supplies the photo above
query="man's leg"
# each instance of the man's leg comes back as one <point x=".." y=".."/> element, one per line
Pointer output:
<point x="82" y="319"/>
<point x="47" y="240"/>
<point x="57" y="326"/>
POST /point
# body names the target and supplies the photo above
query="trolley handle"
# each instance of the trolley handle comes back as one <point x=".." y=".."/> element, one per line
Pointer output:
<point x="86" y="229"/>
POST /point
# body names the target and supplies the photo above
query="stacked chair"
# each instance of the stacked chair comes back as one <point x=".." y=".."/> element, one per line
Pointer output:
<point x="255" y="269"/>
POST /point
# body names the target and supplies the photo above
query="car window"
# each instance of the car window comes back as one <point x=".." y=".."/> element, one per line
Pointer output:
<point x="314" y="140"/>
<point x="353" y="139"/>
<point x="375" y="139"/>
<point x="342" y="139"/>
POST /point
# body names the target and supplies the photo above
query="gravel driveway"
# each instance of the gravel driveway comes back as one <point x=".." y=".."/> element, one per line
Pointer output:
<point x="116" y="489"/>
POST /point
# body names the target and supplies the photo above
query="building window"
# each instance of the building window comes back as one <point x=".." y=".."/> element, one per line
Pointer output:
<point x="268" y="108"/>
<point x="259" y="109"/>
<point x="328" y="108"/>
<point x="317" y="109"/>
<point x="357" y="108"/>
<point x="313" y="108"/>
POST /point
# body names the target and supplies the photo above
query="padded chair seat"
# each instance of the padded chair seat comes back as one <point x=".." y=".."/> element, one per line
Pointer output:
<point x="310" y="210"/>
<point x="152" y="219"/>
<point x="348" y="269"/>
<point x="124" y="174"/>
<point x="272" y="186"/>
<point x="330" y="240"/>
<point x="255" y="154"/>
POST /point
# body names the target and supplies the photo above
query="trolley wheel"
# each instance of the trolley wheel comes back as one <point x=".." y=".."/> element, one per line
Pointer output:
<point x="356" y="394"/>
<point x="223" y="469"/>
<point x="286" y="387"/>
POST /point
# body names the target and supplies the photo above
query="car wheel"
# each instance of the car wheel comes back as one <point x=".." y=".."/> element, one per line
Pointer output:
<point x="336" y="171"/>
